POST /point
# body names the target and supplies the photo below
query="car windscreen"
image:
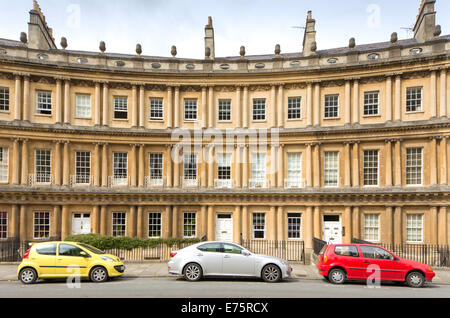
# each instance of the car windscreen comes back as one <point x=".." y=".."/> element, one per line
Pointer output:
<point x="91" y="249"/>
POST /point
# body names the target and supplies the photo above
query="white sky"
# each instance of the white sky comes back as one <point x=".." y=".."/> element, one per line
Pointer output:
<point x="256" y="24"/>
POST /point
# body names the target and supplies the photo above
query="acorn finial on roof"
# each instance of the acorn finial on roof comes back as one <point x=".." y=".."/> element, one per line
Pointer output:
<point x="352" y="43"/>
<point x="63" y="43"/>
<point x="394" y="37"/>
<point x="277" y="49"/>
<point x="242" y="51"/>
<point x="102" y="46"/>
<point x="173" y="51"/>
<point x="138" y="49"/>
<point x="23" y="38"/>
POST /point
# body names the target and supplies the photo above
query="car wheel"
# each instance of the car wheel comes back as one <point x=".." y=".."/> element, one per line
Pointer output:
<point x="193" y="272"/>
<point x="415" y="279"/>
<point x="337" y="276"/>
<point x="28" y="275"/>
<point x="271" y="273"/>
<point x="98" y="274"/>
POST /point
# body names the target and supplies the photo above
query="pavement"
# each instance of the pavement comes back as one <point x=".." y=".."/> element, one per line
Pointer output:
<point x="159" y="269"/>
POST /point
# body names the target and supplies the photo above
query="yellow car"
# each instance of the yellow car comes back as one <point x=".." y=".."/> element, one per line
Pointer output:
<point x="68" y="259"/>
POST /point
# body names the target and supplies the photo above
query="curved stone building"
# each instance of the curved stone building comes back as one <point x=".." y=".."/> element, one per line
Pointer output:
<point x="337" y="144"/>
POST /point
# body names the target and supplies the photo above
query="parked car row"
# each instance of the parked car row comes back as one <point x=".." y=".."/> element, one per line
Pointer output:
<point x="338" y="263"/>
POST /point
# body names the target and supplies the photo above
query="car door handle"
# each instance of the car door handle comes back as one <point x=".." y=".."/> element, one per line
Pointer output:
<point x="366" y="262"/>
<point x="227" y="256"/>
<point x="200" y="254"/>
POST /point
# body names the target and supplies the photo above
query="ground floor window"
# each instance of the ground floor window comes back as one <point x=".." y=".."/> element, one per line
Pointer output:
<point x="414" y="228"/>
<point x="259" y="225"/>
<point x="372" y="227"/>
<point x="41" y="225"/>
<point x="119" y="224"/>
<point x="154" y="225"/>
<point x="189" y="224"/>
<point x="294" y="226"/>
<point x="3" y="225"/>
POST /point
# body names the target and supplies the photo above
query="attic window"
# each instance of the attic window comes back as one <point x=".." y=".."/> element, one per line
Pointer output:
<point x="225" y="66"/>
<point x="156" y="65"/>
<point x="373" y="56"/>
<point x="190" y="66"/>
<point x="42" y="56"/>
<point x="82" y="60"/>
<point x="332" y="60"/>
<point x="416" y="50"/>
<point x="120" y="63"/>
<point x="260" y="65"/>
<point x="295" y="63"/>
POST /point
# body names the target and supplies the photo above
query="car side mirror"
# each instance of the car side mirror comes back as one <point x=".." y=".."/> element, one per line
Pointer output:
<point x="84" y="254"/>
<point x="246" y="253"/>
<point x="396" y="259"/>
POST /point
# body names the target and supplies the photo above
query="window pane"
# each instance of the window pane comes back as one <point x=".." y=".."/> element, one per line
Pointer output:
<point x="189" y="224"/>
<point x="294" y="108"/>
<point x="371" y="100"/>
<point x="156" y="109"/>
<point x="259" y="109"/>
<point x="414" y="99"/>
<point x="224" y="110"/>
<point x="41" y="225"/>
<point x="119" y="224"/>
<point x="43" y="165"/>
<point x="4" y="159"/>
<point x="331" y="166"/>
<point x="120" y="107"/>
<point x="294" y="225"/>
<point x="414" y="228"/>
<point x="4" y="99"/>
<point x="83" y="167"/>
<point x="154" y="225"/>
<point x="44" y="103"/>
<point x="414" y="166"/>
<point x="83" y="106"/>
<point x="371" y="227"/>
<point x="332" y="106"/>
<point x="3" y="225"/>
<point x="370" y="167"/>
<point x="190" y="109"/>
<point x="259" y="225"/>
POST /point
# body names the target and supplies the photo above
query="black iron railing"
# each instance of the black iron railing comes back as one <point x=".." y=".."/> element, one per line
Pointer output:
<point x="288" y="250"/>
<point x="433" y="255"/>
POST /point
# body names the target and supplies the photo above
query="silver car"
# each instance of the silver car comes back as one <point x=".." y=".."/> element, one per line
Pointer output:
<point x="226" y="259"/>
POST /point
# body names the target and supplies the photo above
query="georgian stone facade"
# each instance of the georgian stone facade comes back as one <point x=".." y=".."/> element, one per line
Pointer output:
<point x="357" y="140"/>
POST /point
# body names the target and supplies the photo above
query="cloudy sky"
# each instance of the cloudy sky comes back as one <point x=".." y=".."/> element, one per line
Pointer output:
<point x="257" y="24"/>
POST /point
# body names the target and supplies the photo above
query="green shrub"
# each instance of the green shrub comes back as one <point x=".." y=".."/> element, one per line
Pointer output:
<point x="125" y="243"/>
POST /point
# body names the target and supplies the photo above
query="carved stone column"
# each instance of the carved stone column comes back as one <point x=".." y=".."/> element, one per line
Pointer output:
<point x="132" y="166"/>
<point x="389" y="225"/>
<point x="25" y="158"/>
<point x="281" y="236"/>
<point x="237" y="164"/>
<point x="134" y="106"/>
<point x="443" y="225"/>
<point x="58" y="102"/>
<point x="142" y="106"/>
<point x="316" y="105"/>
<point x="398" y="162"/>
<point x="103" y="220"/>
<point x="280" y="107"/>
<point x="139" y="223"/>
<point x="433" y="161"/>
<point x="105" y="165"/>
<point x="316" y="167"/>
<point x="65" y="222"/>
<point x="443" y="93"/>
<point x="18" y="97"/>
<point x="204" y="106"/>
<point x="211" y="236"/>
<point x="177" y="107"/>
<point x="273" y="104"/>
<point x="131" y="226"/>
<point x="347" y="115"/>
<point x="26" y="98"/>
<point x="141" y="174"/>
<point x="355" y="109"/>
<point x="309" y="228"/>
<point x="347" y="175"/>
<point x="211" y="163"/>
<point x="398" y="98"/>
<point x="105" y="104"/>
<point x="57" y="164"/>
<point x="273" y="166"/>
<point x="237" y="224"/>
<point x="238" y="108"/>
<point x="388" y="98"/>
<point x="245" y="167"/>
<point x="309" y="160"/>
<point x="67" y="102"/>
<point x="355" y="164"/>
<point x="176" y="166"/>
<point x="433" y="94"/>
<point x="443" y="160"/>
<point x="388" y="162"/>
<point x="15" y="162"/>
<point x="97" y="104"/>
<point x="245" y="108"/>
<point x="169" y="107"/>
<point x="23" y="222"/>
<point x="66" y="162"/>
<point x="280" y="166"/>
<point x="97" y="164"/>
<point x="211" y="108"/>
<point x="309" y="105"/>
<point x="169" y="164"/>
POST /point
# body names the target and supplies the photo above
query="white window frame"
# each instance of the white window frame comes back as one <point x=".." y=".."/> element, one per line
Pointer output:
<point x="326" y="106"/>
<point x="371" y="102"/>
<point x="259" y="169"/>
<point x="82" y="178"/>
<point x="260" y="112"/>
<point x="36" y="165"/>
<point x="407" y="168"/>
<point x="153" y="173"/>
<point x="224" y="103"/>
<point x="224" y="161"/>
<point x="4" y="165"/>
<point x="365" y="168"/>
<point x="47" y="232"/>
<point x="189" y="178"/>
<point x="294" y="169"/>
<point x="290" y="216"/>
<point x="372" y="222"/>
<point x="185" y="214"/>
<point x="329" y="169"/>
<point x="409" y="99"/>
<point x="124" y="230"/>
<point x="190" y="109"/>
<point x="258" y="216"/>
<point x="44" y="103"/>
<point x="116" y="156"/>
<point x="408" y="228"/>
<point x="157" y="105"/>
<point x="295" y="106"/>
<point x="4" y="99"/>
<point x="120" y="105"/>
<point x="155" y="227"/>
<point x="83" y="106"/>
<point x="5" y="221"/>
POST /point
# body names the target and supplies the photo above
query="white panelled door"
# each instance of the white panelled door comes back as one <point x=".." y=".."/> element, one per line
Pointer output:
<point x="224" y="227"/>
<point x="81" y="223"/>
<point x="332" y="229"/>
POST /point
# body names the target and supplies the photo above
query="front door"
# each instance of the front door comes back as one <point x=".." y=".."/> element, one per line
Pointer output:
<point x="81" y="223"/>
<point x="332" y="229"/>
<point x="224" y="228"/>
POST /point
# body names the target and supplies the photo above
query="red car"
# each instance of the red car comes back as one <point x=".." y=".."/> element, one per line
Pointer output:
<point x="339" y="262"/>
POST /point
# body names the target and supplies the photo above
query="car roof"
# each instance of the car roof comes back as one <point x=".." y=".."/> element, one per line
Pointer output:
<point x="51" y="242"/>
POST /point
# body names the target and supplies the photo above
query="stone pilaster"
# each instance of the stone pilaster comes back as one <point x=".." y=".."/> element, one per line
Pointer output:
<point x="17" y="97"/>
<point x="105" y="104"/>
<point x="388" y="98"/>
<point x="67" y="102"/>
<point x="25" y="158"/>
<point x="309" y="105"/>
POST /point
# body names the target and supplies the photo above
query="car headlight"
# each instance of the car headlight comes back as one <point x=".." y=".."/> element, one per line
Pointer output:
<point x="108" y="259"/>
